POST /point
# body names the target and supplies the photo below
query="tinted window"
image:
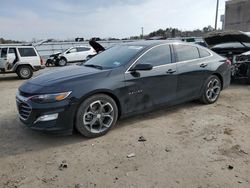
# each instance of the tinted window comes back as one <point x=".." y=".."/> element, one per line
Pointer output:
<point x="27" y="52"/>
<point x="203" y="53"/>
<point x="160" y="55"/>
<point x="4" y="53"/>
<point x="185" y="52"/>
<point x="82" y="49"/>
<point x="115" y="56"/>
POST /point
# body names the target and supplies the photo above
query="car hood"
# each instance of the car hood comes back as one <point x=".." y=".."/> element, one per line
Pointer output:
<point x="218" y="37"/>
<point x="63" y="74"/>
<point x="55" y="54"/>
<point x="98" y="47"/>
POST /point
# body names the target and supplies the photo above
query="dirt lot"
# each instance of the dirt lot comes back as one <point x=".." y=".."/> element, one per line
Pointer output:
<point x="190" y="145"/>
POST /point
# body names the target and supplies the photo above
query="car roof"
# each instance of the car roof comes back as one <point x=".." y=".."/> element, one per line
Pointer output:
<point x="147" y="43"/>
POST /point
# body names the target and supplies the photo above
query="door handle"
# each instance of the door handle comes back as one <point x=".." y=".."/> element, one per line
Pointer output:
<point x="203" y="65"/>
<point x="171" y="71"/>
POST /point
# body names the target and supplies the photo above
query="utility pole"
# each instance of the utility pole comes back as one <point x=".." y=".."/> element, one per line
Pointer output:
<point x="142" y="32"/>
<point x="216" y="15"/>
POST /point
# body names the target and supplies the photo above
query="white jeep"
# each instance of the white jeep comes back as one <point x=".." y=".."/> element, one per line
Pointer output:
<point x="20" y="59"/>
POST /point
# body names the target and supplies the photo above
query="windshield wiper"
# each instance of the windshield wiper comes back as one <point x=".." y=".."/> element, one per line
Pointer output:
<point x="94" y="66"/>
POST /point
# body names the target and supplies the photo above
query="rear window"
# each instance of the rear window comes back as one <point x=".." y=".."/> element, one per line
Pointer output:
<point x="27" y="52"/>
<point x="204" y="53"/>
<point x="185" y="52"/>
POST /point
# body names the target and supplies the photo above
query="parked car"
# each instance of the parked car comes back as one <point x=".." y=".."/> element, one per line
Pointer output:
<point x="20" y="59"/>
<point x="233" y="45"/>
<point x="241" y="67"/>
<point x="74" y="54"/>
<point x="56" y="59"/>
<point x="124" y="80"/>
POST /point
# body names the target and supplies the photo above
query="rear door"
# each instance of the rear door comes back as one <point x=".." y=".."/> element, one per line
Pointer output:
<point x="28" y="55"/>
<point x="82" y="53"/>
<point x="193" y="71"/>
<point x="3" y="58"/>
<point x="153" y="87"/>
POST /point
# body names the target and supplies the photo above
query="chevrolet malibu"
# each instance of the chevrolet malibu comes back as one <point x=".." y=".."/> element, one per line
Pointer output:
<point x="124" y="80"/>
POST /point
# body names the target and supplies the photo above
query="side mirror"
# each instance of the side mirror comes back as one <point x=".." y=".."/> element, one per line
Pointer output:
<point x="142" y="67"/>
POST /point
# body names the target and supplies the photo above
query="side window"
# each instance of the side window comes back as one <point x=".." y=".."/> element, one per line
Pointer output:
<point x="185" y="52"/>
<point x="4" y="52"/>
<point x="160" y="55"/>
<point x="73" y="50"/>
<point x="11" y="51"/>
<point x="27" y="52"/>
<point x="82" y="49"/>
<point x="203" y="53"/>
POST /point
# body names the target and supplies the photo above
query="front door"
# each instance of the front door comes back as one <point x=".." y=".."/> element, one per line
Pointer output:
<point x="72" y="55"/>
<point x="146" y="89"/>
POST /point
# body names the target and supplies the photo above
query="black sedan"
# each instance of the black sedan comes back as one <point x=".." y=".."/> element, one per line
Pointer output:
<point x="124" y="80"/>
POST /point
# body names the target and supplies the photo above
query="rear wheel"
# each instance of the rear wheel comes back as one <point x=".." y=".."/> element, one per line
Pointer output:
<point x="96" y="115"/>
<point x="62" y="62"/>
<point x="24" y="72"/>
<point x="211" y="90"/>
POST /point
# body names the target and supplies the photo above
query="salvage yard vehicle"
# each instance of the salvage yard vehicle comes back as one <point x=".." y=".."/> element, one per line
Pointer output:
<point x="74" y="54"/>
<point x="124" y="80"/>
<point x="57" y="58"/>
<point x="241" y="67"/>
<point x="20" y="59"/>
<point x="235" y="46"/>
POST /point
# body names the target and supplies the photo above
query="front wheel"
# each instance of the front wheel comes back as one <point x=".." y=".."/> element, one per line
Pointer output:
<point x="248" y="75"/>
<point x="62" y="62"/>
<point x="24" y="72"/>
<point x="96" y="115"/>
<point x="211" y="90"/>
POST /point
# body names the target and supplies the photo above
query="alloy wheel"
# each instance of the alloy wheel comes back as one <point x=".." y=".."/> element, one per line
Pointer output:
<point x="98" y="116"/>
<point x="213" y="90"/>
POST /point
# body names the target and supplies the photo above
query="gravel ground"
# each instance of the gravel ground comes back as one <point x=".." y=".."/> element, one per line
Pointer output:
<point x="190" y="145"/>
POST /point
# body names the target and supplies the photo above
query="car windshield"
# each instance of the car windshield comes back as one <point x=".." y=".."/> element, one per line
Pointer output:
<point x="114" y="57"/>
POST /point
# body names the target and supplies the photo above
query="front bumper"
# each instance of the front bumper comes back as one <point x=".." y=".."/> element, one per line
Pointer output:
<point x="29" y="113"/>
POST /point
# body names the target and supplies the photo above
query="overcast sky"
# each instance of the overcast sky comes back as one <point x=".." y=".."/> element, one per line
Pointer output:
<point x="64" y="19"/>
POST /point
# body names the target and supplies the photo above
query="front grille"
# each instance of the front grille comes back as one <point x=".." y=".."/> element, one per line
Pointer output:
<point x="24" y="109"/>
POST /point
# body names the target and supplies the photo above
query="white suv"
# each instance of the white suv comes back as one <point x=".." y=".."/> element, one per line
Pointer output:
<point x="75" y="54"/>
<point x="20" y="59"/>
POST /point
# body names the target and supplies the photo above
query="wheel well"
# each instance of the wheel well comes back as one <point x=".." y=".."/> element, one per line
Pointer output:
<point x="26" y="65"/>
<point x="105" y="93"/>
<point x="63" y="58"/>
<point x="221" y="79"/>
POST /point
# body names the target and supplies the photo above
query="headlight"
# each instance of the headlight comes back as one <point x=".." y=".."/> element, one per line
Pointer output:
<point x="47" y="98"/>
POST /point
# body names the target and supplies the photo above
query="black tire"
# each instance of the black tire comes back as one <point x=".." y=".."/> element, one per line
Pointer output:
<point x="210" y="95"/>
<point x="62" y="61"/>
<point x="248" y="75"/>
<point x="24" y="72"/>
<point x="49" y="63"/>
<point x="85" y="110"/>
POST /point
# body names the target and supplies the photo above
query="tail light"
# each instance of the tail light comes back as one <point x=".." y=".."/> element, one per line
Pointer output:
<point x="41" y="60"/>
<point x="228" y="62"/>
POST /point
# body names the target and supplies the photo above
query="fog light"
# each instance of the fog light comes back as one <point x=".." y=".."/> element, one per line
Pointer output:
<point x="48" y="117"/>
